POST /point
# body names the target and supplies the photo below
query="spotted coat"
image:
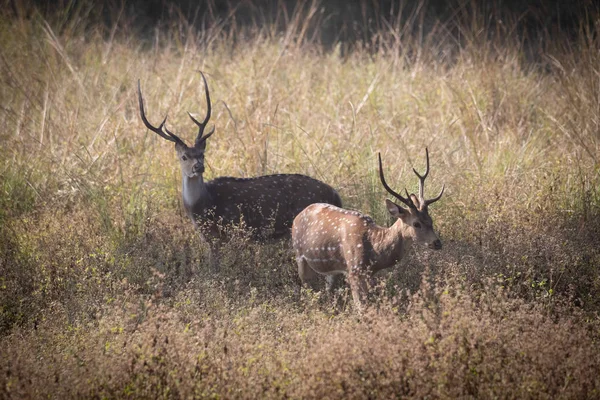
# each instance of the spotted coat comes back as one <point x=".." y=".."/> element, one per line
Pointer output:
<point x="265" y="205"/>
<point x="330" y="240"/>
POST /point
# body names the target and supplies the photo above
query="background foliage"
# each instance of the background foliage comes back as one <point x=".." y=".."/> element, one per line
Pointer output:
<point x="105" y="289"/>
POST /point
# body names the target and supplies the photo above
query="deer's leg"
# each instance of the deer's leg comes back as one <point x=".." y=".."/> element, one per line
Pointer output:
<point x="211" y="236"/>
<point x="305" y="272"/>
<point x="359" y="283"/>
<point x="214" y="256"/>
<point x="332" y="280"/>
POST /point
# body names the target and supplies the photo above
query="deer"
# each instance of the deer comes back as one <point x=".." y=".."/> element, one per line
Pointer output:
<point x="265" y="206"/>
<point x="329" y="240"/>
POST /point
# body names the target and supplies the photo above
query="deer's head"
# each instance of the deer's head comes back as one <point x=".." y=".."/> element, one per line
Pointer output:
<point x="191" y="158"/>
<point x="416" y="219"/>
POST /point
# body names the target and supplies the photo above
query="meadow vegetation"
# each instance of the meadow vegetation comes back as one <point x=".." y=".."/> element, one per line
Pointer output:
<point x="105" y="288"/>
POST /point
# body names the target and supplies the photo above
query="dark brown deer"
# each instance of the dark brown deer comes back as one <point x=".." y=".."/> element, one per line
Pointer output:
<point x="329" y="240"/>
<point x="264" y="205"/>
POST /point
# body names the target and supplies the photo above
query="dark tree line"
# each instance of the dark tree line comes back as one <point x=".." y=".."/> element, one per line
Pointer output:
<point x="348" y="21"/>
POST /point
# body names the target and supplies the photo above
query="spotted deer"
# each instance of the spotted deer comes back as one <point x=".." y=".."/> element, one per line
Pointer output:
<point x="329" y="240"/>
<point x="265" y="205"/>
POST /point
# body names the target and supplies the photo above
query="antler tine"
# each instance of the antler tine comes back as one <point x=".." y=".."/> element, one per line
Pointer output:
<point x="422" y="178"/>
<point x="422" y="200"/>
<point x="407" y="201"/>
<point x="439" y="196"/>
<point x="170" y="136"/>
<point x="202" y="125"/>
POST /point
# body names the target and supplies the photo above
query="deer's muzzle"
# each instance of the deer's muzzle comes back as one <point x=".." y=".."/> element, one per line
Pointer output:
<point x="198" y="168"/>
<point x="436" y="244"/>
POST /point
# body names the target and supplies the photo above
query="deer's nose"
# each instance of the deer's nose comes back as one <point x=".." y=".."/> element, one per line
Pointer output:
<point x="199" y="168"/>
<point x="436" y="245"/>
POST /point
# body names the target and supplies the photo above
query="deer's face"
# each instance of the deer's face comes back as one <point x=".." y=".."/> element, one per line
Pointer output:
<point x="417" y="224"/>
<point x="191" y="159"/>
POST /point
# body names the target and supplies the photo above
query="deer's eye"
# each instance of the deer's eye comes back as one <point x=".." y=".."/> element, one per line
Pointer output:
<point x="417" y="225"/>
<point x="184" y="158"/>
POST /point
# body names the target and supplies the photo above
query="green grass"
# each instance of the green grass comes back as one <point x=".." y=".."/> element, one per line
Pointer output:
<point x="105" y="289"/>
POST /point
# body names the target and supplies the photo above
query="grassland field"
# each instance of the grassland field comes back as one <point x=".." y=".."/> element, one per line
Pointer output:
<point x="105" y="288"/>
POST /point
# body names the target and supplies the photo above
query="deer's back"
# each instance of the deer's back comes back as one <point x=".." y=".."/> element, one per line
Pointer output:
<point x="266" y="204"/>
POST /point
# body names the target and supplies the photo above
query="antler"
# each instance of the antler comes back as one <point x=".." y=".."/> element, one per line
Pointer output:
<point x="406" y="200"/>
<point x="202" y="125"/>
<point x="166" y="134"/>
<point x="424" y="203"/>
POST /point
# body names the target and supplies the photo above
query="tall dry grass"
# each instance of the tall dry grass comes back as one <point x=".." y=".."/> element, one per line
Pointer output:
<point x="105" y="289"/>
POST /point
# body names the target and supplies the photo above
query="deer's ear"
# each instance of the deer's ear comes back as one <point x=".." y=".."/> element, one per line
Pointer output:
<point x="180" y="146"/>
<point x="416" y="201"/>
<point x="201" y="145"/>
<point x="395" y="209"/>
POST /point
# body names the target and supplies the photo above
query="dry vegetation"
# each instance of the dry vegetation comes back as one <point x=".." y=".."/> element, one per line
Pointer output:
<point x="105" y="291"/>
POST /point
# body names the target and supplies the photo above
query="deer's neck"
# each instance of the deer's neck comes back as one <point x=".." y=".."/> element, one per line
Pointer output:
<point x="390" y="245"/>
<point x="196" y="197"/>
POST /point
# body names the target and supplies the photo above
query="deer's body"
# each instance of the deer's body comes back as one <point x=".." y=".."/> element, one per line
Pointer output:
<point x="341" y="240"/>
<point x="329" y="240"/>
<point x="266" y="205"/>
